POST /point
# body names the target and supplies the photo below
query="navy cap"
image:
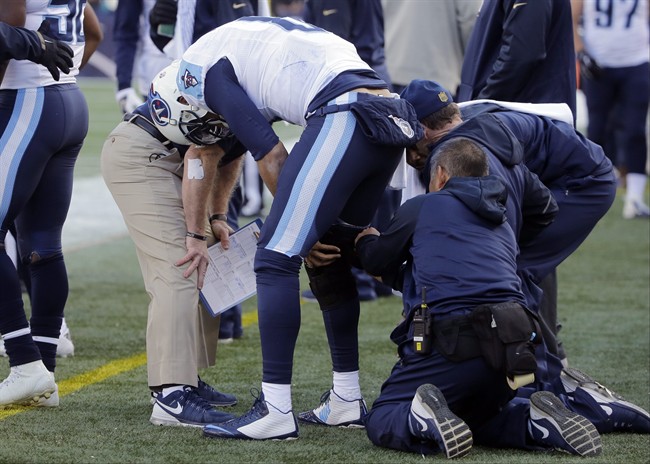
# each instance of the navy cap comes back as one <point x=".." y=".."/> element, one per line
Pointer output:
<point x="427" y="97"/>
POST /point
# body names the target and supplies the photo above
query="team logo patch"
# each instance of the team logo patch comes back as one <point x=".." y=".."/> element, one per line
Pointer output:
<point x="188" y="79"/>
<point x="403" y="125"/>
<point x="159" y="109"/>
<point x="443" y="97"/>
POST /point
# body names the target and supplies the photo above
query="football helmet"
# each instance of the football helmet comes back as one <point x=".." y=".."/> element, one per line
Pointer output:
<point x="176" y="119"/>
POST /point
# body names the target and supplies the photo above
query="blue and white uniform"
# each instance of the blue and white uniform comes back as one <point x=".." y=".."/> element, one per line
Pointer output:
<point x="616" y="35"/>
<point x="43" y="124"/>
<point x="258" y="70"/>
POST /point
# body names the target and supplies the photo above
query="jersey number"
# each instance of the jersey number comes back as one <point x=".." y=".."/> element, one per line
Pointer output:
<point x="65" y="20"/>
<point x="605" y="9"/>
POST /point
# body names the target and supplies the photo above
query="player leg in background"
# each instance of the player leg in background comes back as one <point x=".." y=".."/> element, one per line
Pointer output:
<point x="230" y="327"/>
<point x="39" y="202"/>
<point x="635" y="94"/>
<point x="253" y="188"/>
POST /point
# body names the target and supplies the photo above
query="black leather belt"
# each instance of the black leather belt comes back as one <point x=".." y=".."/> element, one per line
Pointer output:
<point x="147" y="126"/>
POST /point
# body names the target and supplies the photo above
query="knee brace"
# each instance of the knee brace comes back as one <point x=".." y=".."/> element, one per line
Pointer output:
<point x="332" y="284"/>
<point x="342" y="236"/>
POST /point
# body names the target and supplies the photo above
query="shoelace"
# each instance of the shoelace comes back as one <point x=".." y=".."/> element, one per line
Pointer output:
<point x="325" y="396"/>
<point x="257" y="408"/>
<point x="194" y="402"/>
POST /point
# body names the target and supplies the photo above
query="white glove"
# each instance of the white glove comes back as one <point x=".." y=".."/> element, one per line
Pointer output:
<point x="128" y="100"/>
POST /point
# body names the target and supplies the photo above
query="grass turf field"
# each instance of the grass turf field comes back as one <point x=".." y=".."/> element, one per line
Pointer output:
<point x="604" y="305"/>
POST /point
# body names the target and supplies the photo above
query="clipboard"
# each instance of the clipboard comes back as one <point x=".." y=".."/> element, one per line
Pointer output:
<point x="230" y="278"/>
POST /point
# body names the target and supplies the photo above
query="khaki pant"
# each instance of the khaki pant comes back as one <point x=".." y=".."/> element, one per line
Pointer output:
<point x="145" y="181"/>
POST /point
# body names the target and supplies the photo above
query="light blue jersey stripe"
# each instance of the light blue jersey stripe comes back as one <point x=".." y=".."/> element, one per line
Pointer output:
<point x="312" y="181"/>
<point x="15" y="139"/>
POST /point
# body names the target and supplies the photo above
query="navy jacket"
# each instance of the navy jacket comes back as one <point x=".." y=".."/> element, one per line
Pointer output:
<point x="558" y="154"/>
<point x="360" y="22"/>
<point x="209" y="15"/>
<point x="521" y="52"/>
<point x="457" y="244"/>
<point x="18" y="43"/>
<point x="530" y="206"/>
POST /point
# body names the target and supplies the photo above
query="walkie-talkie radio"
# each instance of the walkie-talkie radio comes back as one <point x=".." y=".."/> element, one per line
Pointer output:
<point x="422" y="327"/>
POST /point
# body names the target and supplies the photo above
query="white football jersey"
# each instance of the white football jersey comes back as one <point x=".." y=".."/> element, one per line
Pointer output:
<point x="616" y="33"/>
<point x="281" y="64"/>
<point x="67" y="15"/>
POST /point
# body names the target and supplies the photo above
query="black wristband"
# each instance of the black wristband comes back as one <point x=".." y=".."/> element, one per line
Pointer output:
<point x="196" y="236"/>
<point x="218" y="217"/>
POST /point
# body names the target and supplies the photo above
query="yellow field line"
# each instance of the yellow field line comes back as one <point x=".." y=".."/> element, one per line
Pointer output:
<point x="113" y="368"/>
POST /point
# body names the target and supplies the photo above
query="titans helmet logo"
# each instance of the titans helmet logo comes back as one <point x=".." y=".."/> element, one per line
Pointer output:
<point x="158" y="108"/>
<point x="189" y="80"/>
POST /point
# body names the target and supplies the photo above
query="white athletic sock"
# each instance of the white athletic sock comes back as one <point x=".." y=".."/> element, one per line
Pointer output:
<point x="278" y="395"/>
<point x="346" y="385"/>
<point x="167" y="390"/>
<point x="635" y="186"/>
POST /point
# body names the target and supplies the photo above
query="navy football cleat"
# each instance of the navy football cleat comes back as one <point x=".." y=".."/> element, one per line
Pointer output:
<point x="553" y="425"/>
<point x="430" y="419"/>
<point x="185" y="408"/>
<point x="619" y="415"/>
<point x="336" y="412"/>
<point x="262" y="422"/>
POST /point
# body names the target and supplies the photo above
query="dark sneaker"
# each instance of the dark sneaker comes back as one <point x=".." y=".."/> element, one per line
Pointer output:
<point x="337" y="412"/>
<point x="262" y="422"/>
<point x="214" y="397"/>
<point x="553" y="425"/>
<point x="618" y="413"/>
<point x="430" y="419"/>
<point x="185" y="408"/>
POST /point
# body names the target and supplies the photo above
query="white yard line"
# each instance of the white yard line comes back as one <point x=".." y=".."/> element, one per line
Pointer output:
<point x="93" y="217"/>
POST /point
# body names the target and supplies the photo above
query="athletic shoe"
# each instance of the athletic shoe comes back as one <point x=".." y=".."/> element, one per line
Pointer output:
<point x="337" y="412"/>
<point x="553" y="425"/>
<point x="65" y="347"/>
<point x="430" y="419"/>
<point x="263" y="422"/>
<point x="622" y="415"/>
<point x="185" y="408"/>
<point x="214" y="397"/>
<point x="635" y="209"/>
<point x="28" y="384"/>
<point x="53" y="400"/>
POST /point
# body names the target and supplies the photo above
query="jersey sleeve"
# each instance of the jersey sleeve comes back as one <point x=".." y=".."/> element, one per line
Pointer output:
<point x="384" y="255"/>
<point x="223" y="95"/>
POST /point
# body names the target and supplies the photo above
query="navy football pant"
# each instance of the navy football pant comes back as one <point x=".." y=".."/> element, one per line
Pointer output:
<point x="473" y="391"/>
<point x="42" y="133"/>
<point x="618" y="99"/>
<point x="334" y="174"/>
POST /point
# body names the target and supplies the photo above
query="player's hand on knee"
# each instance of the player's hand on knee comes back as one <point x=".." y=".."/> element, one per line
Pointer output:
<point x="322" y="255"/>
<point x="197" y="257"/>
<point x="55" y="55"/>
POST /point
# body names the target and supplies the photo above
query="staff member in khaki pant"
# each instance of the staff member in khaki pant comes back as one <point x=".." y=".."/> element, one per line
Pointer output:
<point x="167" y="192"/>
